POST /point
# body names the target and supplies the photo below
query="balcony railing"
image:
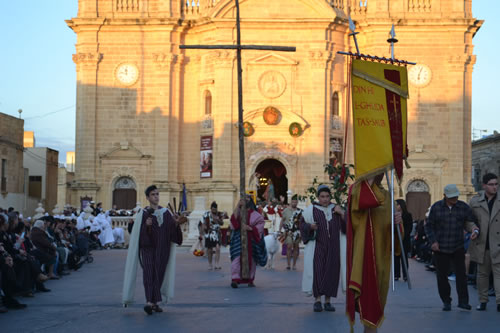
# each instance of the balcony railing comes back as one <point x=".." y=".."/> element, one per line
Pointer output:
<point x="418" y="6"/>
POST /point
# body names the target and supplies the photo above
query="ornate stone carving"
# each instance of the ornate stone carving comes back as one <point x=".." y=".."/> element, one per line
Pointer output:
<point x="207" y="122"/>
<point x="125" y="183"/>
<point x="87" y="59"/>
<point x="272" y="84"/>
<point x="258" y="151"/>
<point x="223" y="57"/>
<point x="418" y="185"/>
<point x="319" y="59"/>
<point x="163" y="60"/>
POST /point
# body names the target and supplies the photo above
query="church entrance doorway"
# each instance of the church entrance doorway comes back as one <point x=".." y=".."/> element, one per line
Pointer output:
<point x="418" y="199"/>
<point x="273" y="181"/>
<point x="124" y="193"/>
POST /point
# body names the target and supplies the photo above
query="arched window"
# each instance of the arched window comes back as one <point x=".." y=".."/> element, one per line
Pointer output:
<point x="334" y="110"/>
<point x="208" y="103"/>
<point x="335" y="104"/>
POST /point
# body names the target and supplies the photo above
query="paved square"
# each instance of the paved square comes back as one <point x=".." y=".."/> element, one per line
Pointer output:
<point x="89" y="301"/>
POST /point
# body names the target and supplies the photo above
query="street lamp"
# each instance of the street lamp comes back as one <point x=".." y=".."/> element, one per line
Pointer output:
<point x="20" y="111"/>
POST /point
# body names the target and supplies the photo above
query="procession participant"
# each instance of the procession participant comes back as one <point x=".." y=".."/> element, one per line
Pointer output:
<point x="290" y="225"/>
<point x="255" y="231"/>
<point x="445" y="227"/>
<point x="106" y="237"/>
<point x="118" y="233"/>
<point x="320" y="229"/>
<point x="271" y="212"/>
<point x="369" y="251"/>
<point x="486" y="207"/>
<point x="151" y="244"/>
<point x="212" y="221"/>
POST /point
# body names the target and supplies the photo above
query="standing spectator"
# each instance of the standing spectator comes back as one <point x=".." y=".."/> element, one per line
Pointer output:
<point x="483" y="250"/>
<point x="445" y="229"/>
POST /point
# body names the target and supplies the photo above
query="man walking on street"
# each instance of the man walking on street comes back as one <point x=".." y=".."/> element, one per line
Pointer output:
<point x="445" y="230"/>
<point x="155" y="231"/>
<point x="484" y="250"/>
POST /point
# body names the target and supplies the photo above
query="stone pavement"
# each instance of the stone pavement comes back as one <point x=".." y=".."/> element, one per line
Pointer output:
<point x="89" y="301"/>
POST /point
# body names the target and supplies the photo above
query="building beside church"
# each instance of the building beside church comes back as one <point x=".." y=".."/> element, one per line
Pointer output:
<point x="485" y="158"/>
<point x="148" y="112"/>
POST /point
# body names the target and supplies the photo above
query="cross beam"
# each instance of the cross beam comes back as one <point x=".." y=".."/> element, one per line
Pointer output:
<point x="240" y="47"/>
<point x="245" y="274"/>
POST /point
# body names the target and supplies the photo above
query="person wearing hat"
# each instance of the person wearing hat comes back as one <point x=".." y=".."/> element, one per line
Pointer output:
<point x="290" y="224"/>
<point x="320" y="228"/>
<point x="485" y="249"/>
<point x="447" y="221"/>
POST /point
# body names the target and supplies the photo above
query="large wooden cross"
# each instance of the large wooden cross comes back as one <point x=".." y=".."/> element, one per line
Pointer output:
<point x="238" y="47"/>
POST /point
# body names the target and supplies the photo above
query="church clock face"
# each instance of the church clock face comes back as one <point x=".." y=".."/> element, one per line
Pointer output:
<point x="420" y="75"/>
<point x="127" y="74"/>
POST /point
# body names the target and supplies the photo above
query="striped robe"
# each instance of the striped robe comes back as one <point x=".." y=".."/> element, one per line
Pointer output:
<point x="326" y="259"/>
<point x="154" y="252"/>
<point x="256" y="221"/>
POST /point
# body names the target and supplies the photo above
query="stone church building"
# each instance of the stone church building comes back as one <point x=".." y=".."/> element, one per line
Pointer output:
<point x="149" y="112"/>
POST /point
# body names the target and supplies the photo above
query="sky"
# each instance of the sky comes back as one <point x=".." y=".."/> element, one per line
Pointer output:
<point x="38" y="74"/>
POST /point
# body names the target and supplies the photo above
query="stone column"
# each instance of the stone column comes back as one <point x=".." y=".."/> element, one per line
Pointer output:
<point x="87" y="66"/>
<point x="195" y="217"/>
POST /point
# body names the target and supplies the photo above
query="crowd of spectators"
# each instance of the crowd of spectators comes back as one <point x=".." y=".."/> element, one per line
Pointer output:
<point x="49" y="247"/>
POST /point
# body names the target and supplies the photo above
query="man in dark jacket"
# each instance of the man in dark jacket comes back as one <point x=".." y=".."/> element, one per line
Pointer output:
<point x="45" y="250"/>
<point x="447" y="221"/>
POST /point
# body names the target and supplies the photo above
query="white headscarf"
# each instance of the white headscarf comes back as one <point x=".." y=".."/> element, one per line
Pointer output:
<point x="39" y="224"/>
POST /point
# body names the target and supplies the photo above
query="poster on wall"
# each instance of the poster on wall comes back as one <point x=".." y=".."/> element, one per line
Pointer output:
<point x="206" y="156"/>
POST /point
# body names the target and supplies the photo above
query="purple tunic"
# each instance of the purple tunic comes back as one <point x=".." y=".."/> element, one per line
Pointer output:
<point x="326" y="265"/>
<point x="154" y="252"/>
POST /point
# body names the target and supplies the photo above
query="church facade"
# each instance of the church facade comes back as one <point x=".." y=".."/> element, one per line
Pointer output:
<point x="149" y="112"/>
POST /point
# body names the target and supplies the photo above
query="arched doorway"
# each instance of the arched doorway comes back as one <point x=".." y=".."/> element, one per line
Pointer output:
<point x="124" y="193"/>
<point x="418" y="199"/>
<point x="274" y="171"/>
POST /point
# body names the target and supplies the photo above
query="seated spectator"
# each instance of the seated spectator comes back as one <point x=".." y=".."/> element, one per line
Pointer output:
<point x="45" y="251"/>
<point x="7" y="274"/>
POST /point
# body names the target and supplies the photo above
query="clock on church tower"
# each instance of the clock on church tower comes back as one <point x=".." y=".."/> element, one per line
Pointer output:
<point x="420" y="75"/>
<point x="127" y="74"/>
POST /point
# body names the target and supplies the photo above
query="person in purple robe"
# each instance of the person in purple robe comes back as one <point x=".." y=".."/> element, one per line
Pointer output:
<point x="155" y="232"/>
<point x="320" y="228"/>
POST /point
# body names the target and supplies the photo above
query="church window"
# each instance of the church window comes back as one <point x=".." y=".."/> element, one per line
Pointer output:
<point x="208" y="103"/>
<point x="335" y="104"/>
<point x="3" y="179"/>
<point x="334" y="111"/>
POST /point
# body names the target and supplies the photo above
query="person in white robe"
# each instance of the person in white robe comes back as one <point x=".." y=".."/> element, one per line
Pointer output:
<point x="106" y="235"/>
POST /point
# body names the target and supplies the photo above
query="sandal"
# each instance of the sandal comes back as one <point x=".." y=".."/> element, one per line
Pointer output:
<point x="317" y="307"/>
<point x="148" y="309"/>
<point x="329" y="307"/>
<point x="156" y="308"/>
